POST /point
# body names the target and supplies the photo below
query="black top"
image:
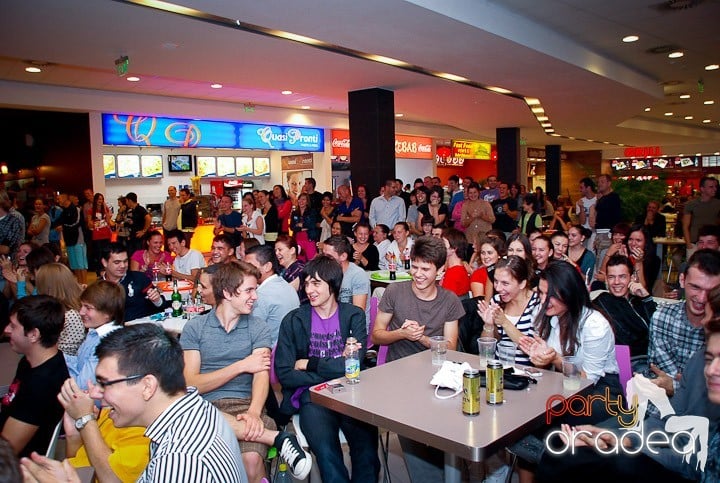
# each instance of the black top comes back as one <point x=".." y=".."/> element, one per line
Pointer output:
<point x="502" y="220"/>
<point x="608" y="211"/>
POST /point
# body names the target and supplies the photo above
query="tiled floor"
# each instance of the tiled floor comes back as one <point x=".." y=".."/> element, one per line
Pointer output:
<point x="398" y="471"/>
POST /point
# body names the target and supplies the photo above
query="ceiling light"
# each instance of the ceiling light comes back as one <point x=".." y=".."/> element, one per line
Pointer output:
<point x="546" y="124"/>
<point x="549" y="129"/>
<point x="606" y="142"/>
<point x="698" y="154"/>
<point x="538" y="110"/>
<point x="499" y="90"/>
<point x="668" y="113"/>
<point x="33" y="70"/>
<point x="542" y="118"/>
<point x="590" y="140"/>
<point x="133" y="79"/>
<point x="687" y="118"/>
<point x="712" y="67"/>
<point x="684" y="96"/>
<point x="305" y="107"/>
<point x="630" y="38"/>
<point x="216" y="86"/>
<point x="709" y="103"/>
<point x="531" y="101"/>
<point x="705" y="121"/>
<point x="286" y="93"/>
<point x="647" y="109"/>
<point x="399" y="114"/>
<point x="555" y="134"/>
<point x="675" y="55"/>
<point x="452" y="77"/>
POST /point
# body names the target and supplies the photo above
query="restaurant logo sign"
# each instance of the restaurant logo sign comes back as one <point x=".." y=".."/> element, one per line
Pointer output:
<point x="131" y="130"/>
<point x="685" y="435"/>
<point x="409" y="147"/>
<point x="470" y="149"/>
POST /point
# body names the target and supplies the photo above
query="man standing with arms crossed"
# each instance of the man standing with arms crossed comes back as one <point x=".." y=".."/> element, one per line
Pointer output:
<point x="607" y="212"/>
<point x="700" y="211"/>
<point x="387" y="209"/>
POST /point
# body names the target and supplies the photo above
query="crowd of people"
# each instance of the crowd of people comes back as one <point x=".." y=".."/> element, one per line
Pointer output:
<point x="287" y="282"/>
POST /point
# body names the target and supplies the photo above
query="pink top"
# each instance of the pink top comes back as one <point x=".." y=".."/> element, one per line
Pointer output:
<point x="146" y="261"/>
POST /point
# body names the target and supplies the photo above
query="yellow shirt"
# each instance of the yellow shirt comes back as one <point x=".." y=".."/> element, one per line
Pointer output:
<point x="130" y="449"/>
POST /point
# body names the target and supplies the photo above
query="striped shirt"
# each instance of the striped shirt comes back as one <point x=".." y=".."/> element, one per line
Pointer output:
<point x="191" y="442"/>
<point x="525" y="323"/>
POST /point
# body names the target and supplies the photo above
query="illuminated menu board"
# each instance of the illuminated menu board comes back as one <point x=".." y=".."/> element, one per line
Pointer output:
<point x="128" y="166"/>
<point x="109" y="168"/>
<point x="151" y="166"/>
<point x="244" y="167"/>
<point x="261" y="166"/>
<point x="206" y="166"/>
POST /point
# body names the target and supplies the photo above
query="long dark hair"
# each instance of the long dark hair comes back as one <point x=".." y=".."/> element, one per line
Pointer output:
<point x="565" y="284"/>
<point x="95" y="203"/>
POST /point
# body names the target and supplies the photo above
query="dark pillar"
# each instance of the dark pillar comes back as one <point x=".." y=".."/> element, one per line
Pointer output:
<point x="552" y="170"/>
<point x="372" y="137"/>
<point x="508" y="152"/>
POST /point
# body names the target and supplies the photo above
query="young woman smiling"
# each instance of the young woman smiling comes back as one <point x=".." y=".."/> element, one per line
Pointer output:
<point x="482" y="279"/>
<point x="514" y="306"/>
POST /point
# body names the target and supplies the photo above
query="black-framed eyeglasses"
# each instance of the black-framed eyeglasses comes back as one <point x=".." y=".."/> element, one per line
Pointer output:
<point x="105" y="384"/>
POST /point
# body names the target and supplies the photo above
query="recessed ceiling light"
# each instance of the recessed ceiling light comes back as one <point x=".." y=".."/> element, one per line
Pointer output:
<point x="499" y="90"/>
<point x="668" y="113"/>
<point x="133" y="79"/>
<point x="542" y="118"/>
<point x="590" y="140"/>
<point x="647" y="109"/>
<point x="305" y="107"/>
<point x="717" y="153"/>
<point x="712" y="67"/>
<point x="216" y="86"/>
<point x="684" y="96"/>
<point x="709" y="103"/>
<point x="546" y="124"/>
<point x="555" y="134"/>
<point x="399" y="114"/>
<point x="675" y="55"/>
<point x="698" y="154"/>
<point x="33" y="70"/>
<point x="687" y="118"/>
<point x="286" y="93"/>
<point x="531" y="101"/>
<point x="630" y="38"/>
<point x="705" y="121"/>
<point x="538" y="110"/>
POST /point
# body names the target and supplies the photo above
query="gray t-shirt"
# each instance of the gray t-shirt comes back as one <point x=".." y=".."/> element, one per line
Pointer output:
<point x="703" y="213"/>
<point x="400" y="301"/>
<point x="218" y="349"/>
<point x="356" y="282"/>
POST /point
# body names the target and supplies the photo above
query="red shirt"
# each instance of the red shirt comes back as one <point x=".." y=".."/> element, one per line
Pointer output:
<point x="456" y="280"/>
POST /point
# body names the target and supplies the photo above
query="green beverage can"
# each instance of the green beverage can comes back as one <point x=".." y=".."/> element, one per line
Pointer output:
<point x="494" y="382"/>
<point x="471" y="392"/>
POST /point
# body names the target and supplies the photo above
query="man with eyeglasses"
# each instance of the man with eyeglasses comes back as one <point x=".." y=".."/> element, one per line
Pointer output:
<point x="227" y="357"/>
<point x="140" y="379"/>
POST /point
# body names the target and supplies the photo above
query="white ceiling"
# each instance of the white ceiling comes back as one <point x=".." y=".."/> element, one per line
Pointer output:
<point x="567" y="53"/>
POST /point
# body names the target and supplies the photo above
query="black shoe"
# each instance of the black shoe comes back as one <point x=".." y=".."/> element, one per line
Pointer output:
<point x="298" y="459"/>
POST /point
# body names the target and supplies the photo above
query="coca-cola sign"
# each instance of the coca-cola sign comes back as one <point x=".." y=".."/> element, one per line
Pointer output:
<point x="413" y="147"/>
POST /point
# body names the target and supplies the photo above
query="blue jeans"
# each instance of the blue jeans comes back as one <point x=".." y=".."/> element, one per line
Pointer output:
<point x="321" y="425"/>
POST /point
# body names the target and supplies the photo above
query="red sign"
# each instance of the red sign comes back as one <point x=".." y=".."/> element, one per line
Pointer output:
<point x="642" y="151"/>
<point x="413" y="147"/>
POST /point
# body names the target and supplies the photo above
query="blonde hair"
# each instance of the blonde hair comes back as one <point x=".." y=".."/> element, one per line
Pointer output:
<point x="56" y="280"/>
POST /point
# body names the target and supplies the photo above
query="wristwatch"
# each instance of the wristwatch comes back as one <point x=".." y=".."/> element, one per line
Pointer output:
<point x="81" y="422"/>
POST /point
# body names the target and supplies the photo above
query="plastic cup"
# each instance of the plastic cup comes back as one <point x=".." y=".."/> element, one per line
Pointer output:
<point x="438" y="348"/>
<point x="486" y="349"/>
<point x="571" y="373"/>
<point x="506" y="351"/>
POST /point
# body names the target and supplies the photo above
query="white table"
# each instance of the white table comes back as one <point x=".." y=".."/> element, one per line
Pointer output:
<point x="398" y="396"/>
<point x="171" y="324"/>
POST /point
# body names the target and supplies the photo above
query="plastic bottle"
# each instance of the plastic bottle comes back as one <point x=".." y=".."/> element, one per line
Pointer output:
<point x="176" y="300"/>
<point x="352" y="361"/>
<point x="283" y="475"/>
<point x="392" y="267"/>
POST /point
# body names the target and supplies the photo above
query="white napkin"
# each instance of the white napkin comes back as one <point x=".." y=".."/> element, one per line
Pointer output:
<point x="450" y="375"/>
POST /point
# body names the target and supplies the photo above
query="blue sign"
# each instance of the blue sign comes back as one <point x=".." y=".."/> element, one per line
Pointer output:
<point x="129" y="130"/>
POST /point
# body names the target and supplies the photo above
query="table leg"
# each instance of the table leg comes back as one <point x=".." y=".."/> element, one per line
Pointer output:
<point x="453" y="472"/>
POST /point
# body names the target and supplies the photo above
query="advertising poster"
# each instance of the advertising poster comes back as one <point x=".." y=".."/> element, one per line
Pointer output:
<point x="293" y="182"/>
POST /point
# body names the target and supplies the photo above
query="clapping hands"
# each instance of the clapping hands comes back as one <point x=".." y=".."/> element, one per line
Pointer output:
<point x="540" y="353"/>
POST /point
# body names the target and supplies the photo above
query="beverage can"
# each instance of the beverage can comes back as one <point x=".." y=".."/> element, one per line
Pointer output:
<point x="494" y="382"/>
<point x="471" y="392"/>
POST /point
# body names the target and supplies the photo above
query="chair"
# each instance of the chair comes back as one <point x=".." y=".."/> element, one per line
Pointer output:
<point x="52" y="451"/>
<point x="373" y="315"/>
<point x="303" y="442"/>
<point x="622" y="355"/>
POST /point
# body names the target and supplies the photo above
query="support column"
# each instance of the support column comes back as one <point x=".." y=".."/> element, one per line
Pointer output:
<point x="552" y="170"/>
<point x="372" y="137"/>
<point x="508" y="151"/>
